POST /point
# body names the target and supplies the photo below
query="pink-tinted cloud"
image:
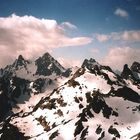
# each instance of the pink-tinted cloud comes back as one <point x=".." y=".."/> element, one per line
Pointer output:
<point x="95" y="51"/>
<point x="129" y="36"/>
<point x="68" y="63"/>
<point x="133" y="36"/>
<point x="118" y="56"/>
<point x="31" y="37"/>
<point x="102" y="37"/>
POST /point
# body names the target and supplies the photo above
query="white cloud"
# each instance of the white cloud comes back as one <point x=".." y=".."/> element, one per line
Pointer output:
<point x="68" y="25"/>
<point x="121" y="12"/>
<point x="129" y="36"/>
<point x="30" y="36"/>
<point x="68" y="63"/>
<point x="118" y="56"/>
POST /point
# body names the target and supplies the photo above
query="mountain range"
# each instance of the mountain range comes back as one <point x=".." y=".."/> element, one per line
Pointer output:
<point x="42" y="100"/>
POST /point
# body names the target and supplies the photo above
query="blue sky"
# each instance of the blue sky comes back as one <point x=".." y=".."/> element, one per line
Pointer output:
<point x="112" y="25"/>
<point x="89" y="15"/>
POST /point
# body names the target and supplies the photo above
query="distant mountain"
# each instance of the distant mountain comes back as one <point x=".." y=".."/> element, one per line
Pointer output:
<point x="93" y="103"/>
<point x="135" y="67"/>
<point x="24" y="78"/>
<point x="132" y="73"/>
<point x="20" y="62"/>
<point x="45" y="66"/>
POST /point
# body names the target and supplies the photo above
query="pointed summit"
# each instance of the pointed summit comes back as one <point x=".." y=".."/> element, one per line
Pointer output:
<point x="47" y="56"/>
<point x="20" y="61"/>
<point x="47" y="65"/>
<point x="20" y="57"/>
<point x="127" y="73"/>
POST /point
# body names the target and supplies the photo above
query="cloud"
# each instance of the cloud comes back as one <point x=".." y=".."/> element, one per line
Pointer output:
<point x="68" y="25"/>
<point x="121" y="12"/>
<point x="102" y="37"/>
<point x="31" y="37"/>
<point x="129" y="36"/>
<point x="95" y="51"/>
<point x="133" y="36"/>
<point x="68" y="63"/>
<point x="118" y="56"/>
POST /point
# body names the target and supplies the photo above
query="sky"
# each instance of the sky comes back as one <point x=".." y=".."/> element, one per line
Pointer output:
<point x="71" y="30"/>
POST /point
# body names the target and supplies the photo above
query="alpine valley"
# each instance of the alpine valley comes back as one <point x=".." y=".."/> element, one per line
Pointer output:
<point x="42" y="100"/>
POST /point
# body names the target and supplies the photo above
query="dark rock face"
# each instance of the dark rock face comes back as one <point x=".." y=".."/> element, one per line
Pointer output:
<point x="4" y="100"/>
<point x="128" y="94"/>
<point x="89" y="63"/>
<point x="10" y="132"/>
<point x="10" y="92"/>
<point x="127" y="73"/>
<point x="53" y="135"/>
<point x="135" y="67"/>
<point x="131" y="74"/>
<point x="98" y="104"/>
<point x="114" y="131"/>
<point x="67" y="73"/>
<point x="107" y="68"/>
<point x="47" y="65"/>
<point x="99" y="129"/>
<point x="39" y="84"/>
<point x="21" y="86"/>
<point x="20" y="62"/>
<point x="4" y="106"/>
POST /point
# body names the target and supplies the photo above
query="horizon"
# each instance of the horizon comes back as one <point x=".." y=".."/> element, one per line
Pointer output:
<point x="108" y="31"/>
<point x="117" y="71"/>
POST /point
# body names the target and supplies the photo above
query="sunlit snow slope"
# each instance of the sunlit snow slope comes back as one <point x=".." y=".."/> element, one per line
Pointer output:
<point x="93" y="104"/>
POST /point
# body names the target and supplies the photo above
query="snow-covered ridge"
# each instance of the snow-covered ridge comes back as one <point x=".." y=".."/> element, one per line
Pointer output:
<point x="94" y="103"/>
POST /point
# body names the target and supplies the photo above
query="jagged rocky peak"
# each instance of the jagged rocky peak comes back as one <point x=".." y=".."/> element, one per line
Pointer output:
<point x="126" y="73"/>
<point x="20" y="57"/>
<point x="94" y="66"/>
<point x="135" y="67"/>
<point x="47" y="56"/>
<point x="47" y="65"/>
<point x="20" y="61"/>
<point x="90" y="64"/>
<point x="131" y="73"/>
